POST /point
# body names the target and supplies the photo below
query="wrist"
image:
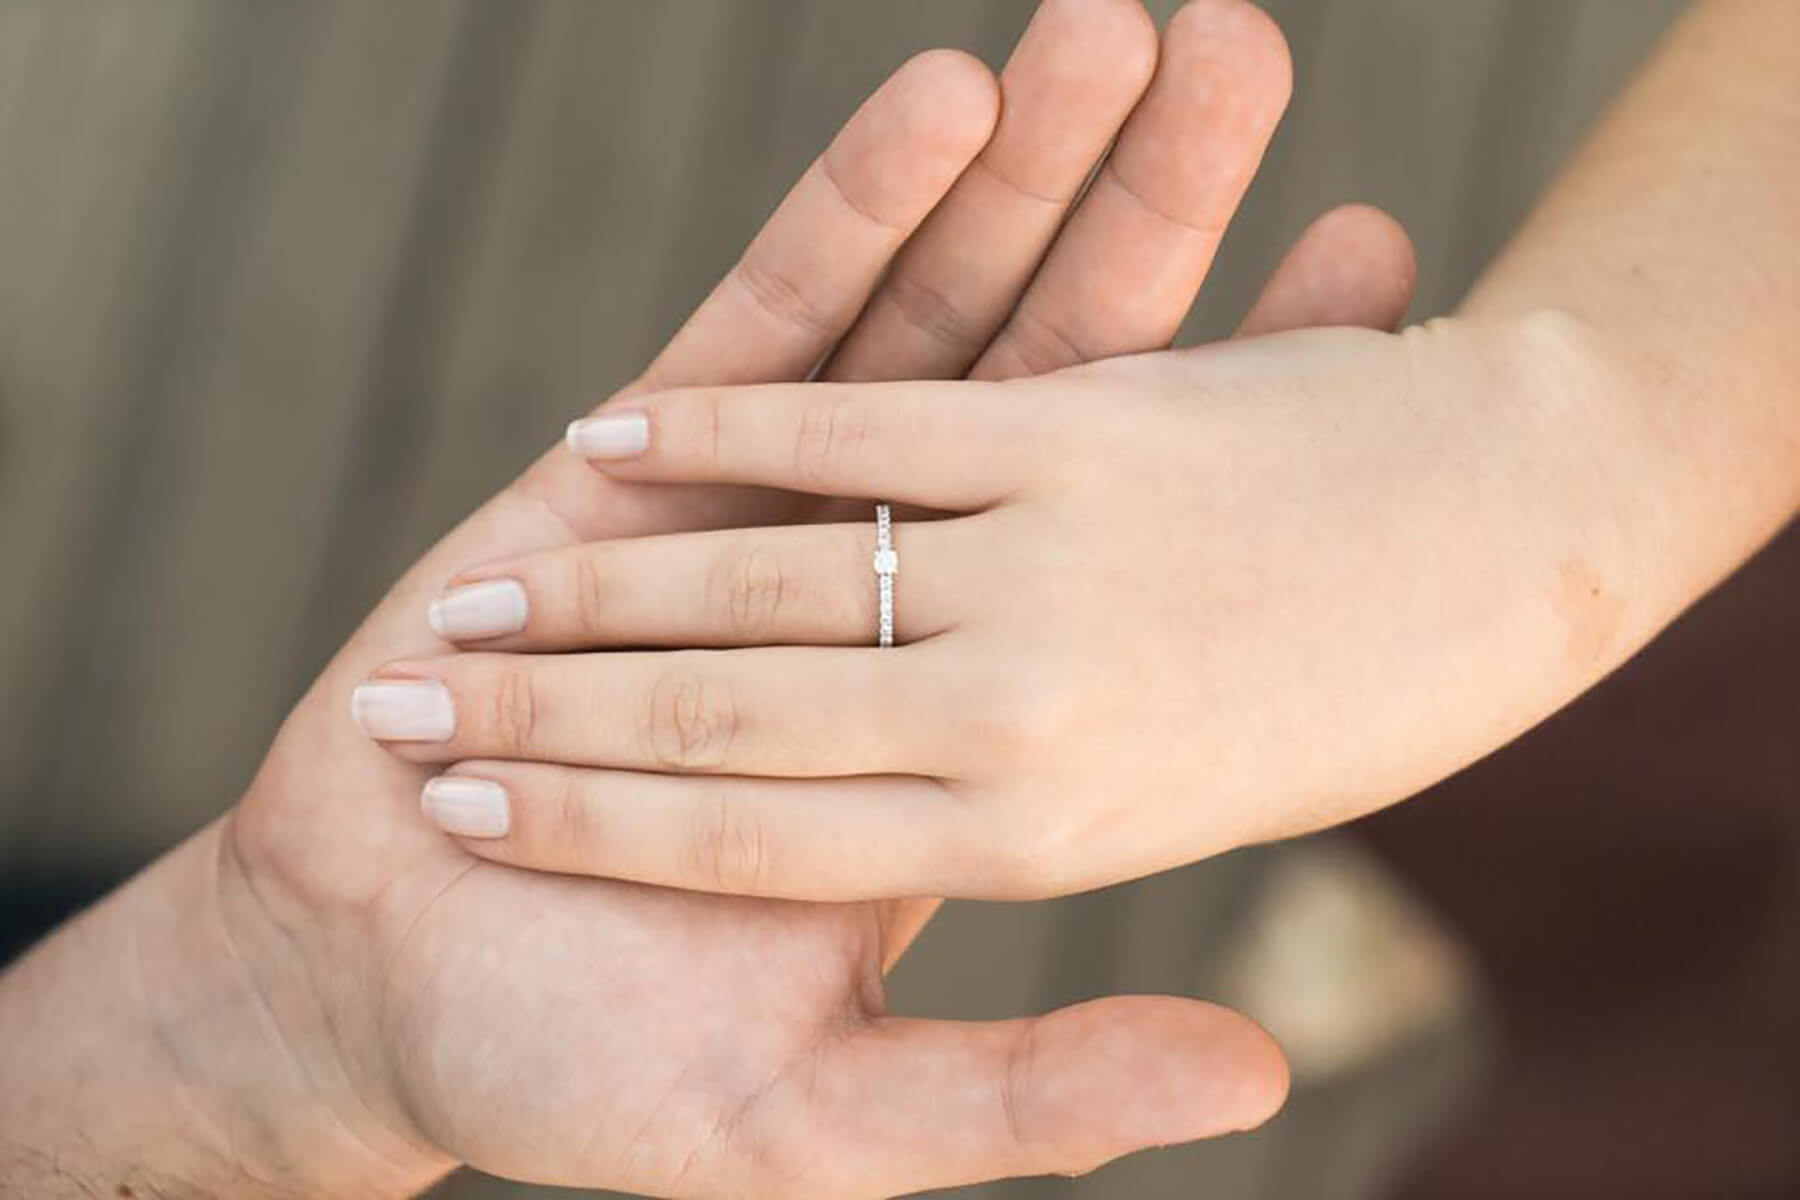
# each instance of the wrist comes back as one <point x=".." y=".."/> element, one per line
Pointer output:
<point x="1683" y="462"/>
<point x="1605" y="499"/>
<point x="141" y="1052"/>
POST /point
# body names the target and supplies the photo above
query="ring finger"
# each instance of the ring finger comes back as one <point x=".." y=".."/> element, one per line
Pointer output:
<point x="787" y="585"/>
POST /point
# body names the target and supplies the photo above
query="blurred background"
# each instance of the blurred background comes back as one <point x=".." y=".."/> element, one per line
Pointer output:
<point x="288" y="287"/>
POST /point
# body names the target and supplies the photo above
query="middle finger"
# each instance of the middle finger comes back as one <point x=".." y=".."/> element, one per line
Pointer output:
<point x="1074" y="77"/>
<point x="1132" y="258"/>
<point x="798" y="712"/>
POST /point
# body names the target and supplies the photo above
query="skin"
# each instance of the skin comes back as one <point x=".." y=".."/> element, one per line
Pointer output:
<point x="1183" y="601"/>
<point x="322" y="995"/>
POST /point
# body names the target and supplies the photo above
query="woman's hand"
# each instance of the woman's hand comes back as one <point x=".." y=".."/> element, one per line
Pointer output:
<point x="1186" y="601"/>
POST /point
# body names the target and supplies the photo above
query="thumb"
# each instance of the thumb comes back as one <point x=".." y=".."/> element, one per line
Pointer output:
<point x="1353" y="266"/>
<point x="907" y="1105"/>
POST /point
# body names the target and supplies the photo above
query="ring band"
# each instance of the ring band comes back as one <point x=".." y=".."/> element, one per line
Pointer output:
<point x="887" y="565"/>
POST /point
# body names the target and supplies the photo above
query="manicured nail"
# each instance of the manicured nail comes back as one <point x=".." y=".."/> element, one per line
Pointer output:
<point x="610" y="437"/>
<point x="473" y="808"/>
<point x="479" y="610"/>
<point x="411" y="710"/>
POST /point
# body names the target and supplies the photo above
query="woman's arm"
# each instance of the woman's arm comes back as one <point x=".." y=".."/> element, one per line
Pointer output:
<point x="1674" y="239"/>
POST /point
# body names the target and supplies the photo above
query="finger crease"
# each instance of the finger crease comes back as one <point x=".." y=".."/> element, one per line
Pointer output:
<point x="1018" y="189"/>
<point x="1044" y="347"/>
<point x="1213" y="230"/>
<point x="862" y="210"/>
<point x="779" y="296"/>
<point x="928" y="308"/>
<point x="1018" y="1062"/>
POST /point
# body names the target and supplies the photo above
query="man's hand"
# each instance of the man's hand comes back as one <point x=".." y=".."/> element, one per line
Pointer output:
<point x="422" y="1007"/>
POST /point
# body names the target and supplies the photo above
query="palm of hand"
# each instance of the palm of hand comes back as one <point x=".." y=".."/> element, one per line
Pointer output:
<point x="657" y="1040"/>
<point x="563" y="1030"/>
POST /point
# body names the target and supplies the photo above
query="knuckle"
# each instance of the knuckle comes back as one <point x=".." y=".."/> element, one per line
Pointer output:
<point x="832" y="434"/>
<point x="1027" y="723"/>
<point x="1084" y="469"/>
<point x="587" y="588"/>
<point x="855" y="597"/>
<point x="752" y="587"/>
<point x="513" y="709"/>
<point x="930" y="309"/>
<point x="778" y="292"/>
<point x="1031" y="1115"/>
<point x="691" y="723"/>
<point x="1015" y="1088"/>
<point x="709" y="430"/>
<point x="729" y="848"/>
<point x="1041" y="346"/>
<point x="575" y="831"/>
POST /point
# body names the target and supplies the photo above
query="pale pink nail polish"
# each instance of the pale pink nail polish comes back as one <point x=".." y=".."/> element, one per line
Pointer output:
<point x="610" y="437"/>
<point x="479" y="610"/>
<point x="472" y="808"/>
<point x="404" y="710"/>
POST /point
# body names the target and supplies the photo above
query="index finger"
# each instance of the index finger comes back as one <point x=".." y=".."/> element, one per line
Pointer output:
<point x="803" y="280"/>
<point x="1133" y="256"/>
<point x="1071" y="82"/>
<point x="948" y="445"/>
<point x="806" y="275"/>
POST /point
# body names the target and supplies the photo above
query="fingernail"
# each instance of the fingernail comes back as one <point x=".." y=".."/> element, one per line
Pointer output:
<point x="479" y="610"/>
<point x="413" y="710"/>
<point x="610" y="437"/>
<point x="474" y="808"/>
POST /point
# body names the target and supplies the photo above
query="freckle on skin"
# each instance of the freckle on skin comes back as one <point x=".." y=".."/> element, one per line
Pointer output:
<point x="1590" y="613"/>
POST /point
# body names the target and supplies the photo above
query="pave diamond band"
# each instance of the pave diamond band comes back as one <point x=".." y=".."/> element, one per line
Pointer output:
<point x="887" y="565"/>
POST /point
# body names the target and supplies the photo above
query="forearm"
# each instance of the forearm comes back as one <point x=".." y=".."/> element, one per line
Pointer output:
<point x="1674" y="239"/>
<point x="138" y="1058"/>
